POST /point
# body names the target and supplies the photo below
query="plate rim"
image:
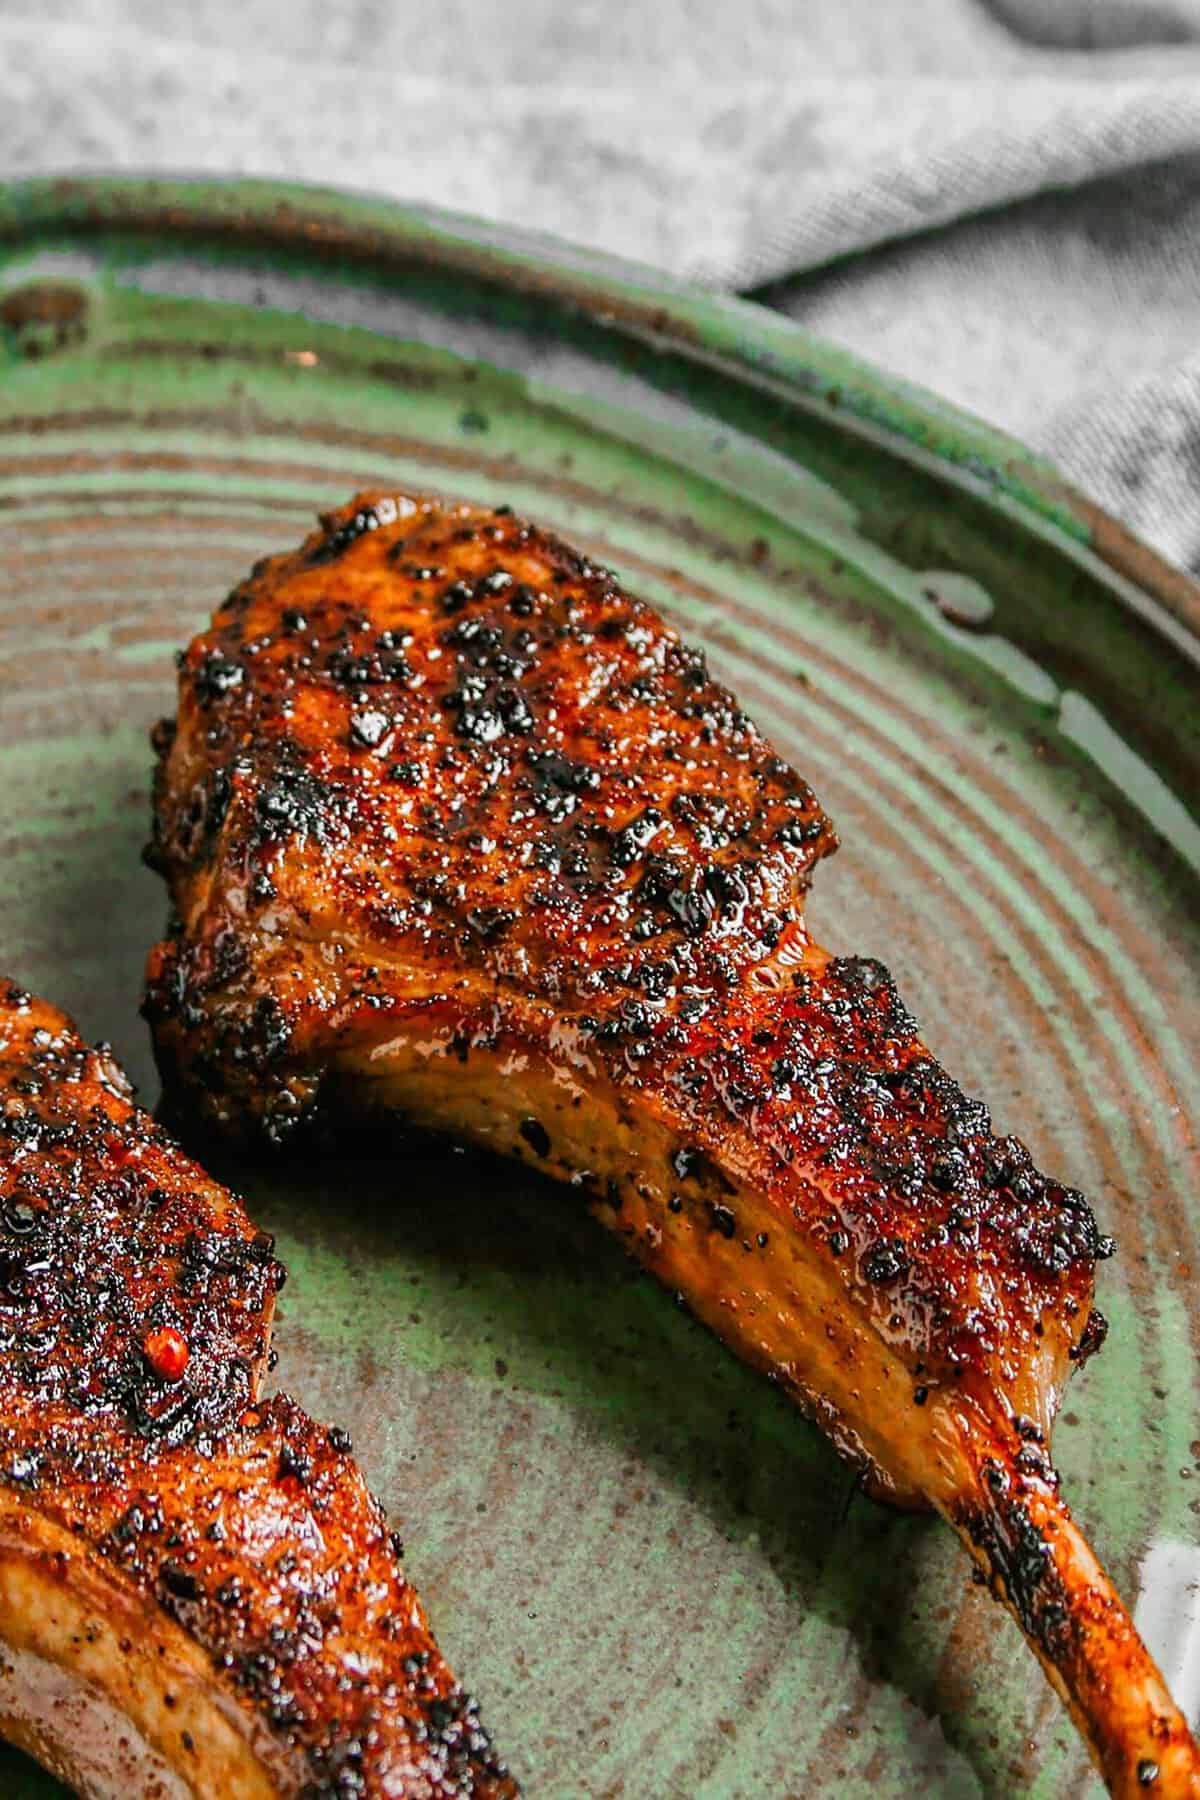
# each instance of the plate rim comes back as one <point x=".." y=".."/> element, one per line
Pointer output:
<point x="750" y="341"/>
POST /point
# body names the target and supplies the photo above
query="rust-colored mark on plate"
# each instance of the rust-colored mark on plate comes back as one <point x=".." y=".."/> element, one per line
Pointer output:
<point x="44" y="317"/>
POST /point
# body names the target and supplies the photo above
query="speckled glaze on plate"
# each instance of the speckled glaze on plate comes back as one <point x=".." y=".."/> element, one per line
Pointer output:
<point x="658" y="1578"/>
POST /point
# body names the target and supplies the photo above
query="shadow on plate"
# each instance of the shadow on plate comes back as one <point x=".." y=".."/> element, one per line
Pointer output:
<point x="511" y="1260"/>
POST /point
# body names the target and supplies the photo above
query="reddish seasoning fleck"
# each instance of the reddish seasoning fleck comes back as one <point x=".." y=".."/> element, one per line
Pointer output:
<point x="121" y="1151"/>
<point x="166" y="1351"/>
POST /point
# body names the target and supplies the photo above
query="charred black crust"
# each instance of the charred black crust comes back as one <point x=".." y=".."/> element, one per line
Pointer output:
<point x="487" y="664"/>
<point x="1021" y="1558"/>
<point x="338" y="532"/>
<point x="456" y="1748"/>
<point x="95" y="1251"/>
<point x="296" y="805"/>
<point x="1092" y="1340"/>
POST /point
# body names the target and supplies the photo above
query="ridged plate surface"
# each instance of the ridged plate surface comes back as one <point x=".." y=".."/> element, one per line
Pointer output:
<point x="660" y="1581"/>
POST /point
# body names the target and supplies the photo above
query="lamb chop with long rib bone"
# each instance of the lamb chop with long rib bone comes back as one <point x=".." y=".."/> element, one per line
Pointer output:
<point x="456" y="829"/>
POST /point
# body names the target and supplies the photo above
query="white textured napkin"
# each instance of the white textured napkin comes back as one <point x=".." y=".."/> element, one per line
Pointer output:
<point x="999" y="198"/>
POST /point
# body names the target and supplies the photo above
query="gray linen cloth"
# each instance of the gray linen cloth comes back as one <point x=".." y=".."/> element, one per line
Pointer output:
<point x="998" y="198"/>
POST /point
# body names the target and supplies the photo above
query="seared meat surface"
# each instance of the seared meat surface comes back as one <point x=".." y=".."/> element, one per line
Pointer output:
<point x="457" y="829"/>
<point x="198" y="1596"/>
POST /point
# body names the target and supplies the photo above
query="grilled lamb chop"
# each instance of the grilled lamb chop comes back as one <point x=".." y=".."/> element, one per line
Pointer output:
<point x="454" y="828"/>
<point x="198" y="1596"/>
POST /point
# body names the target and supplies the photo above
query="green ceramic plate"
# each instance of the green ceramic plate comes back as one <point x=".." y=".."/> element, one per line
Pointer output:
<point x="658" y="1578"/>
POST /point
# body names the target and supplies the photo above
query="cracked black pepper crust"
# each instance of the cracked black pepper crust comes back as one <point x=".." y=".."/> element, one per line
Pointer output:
<point x="239" y="1518"/>
<point x="435" y="767"/>
<point x="503" y="755"/>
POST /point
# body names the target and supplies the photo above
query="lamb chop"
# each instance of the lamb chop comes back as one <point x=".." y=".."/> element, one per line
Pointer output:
<point x="456" y="829"/>
<point x="198" y="1596"/>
